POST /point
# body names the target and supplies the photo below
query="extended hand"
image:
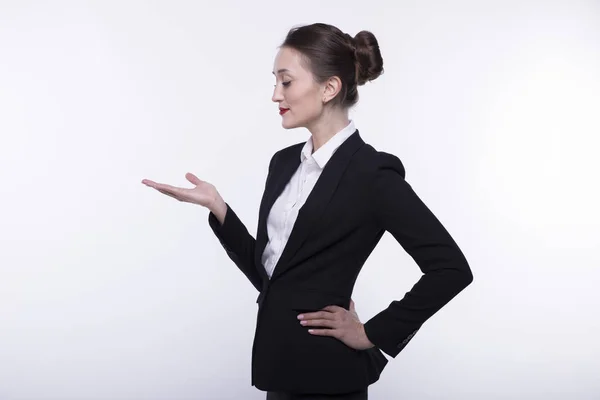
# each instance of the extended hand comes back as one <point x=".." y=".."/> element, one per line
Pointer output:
<point x="204" y="194"/>
<point x="343" y="325"/>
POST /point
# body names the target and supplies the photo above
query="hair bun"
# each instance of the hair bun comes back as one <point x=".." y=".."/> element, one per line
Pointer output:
<point x="368" y="56"/>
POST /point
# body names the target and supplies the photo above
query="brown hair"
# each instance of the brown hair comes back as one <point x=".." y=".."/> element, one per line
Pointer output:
<point x="327" y="51"/>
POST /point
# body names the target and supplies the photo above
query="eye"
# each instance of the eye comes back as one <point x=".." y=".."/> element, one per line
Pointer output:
<point x="286" y="83"/>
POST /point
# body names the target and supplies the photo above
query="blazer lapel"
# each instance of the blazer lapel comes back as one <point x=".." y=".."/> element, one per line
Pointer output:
<point x="310" y="213"/>
<point x="281" y="176"/>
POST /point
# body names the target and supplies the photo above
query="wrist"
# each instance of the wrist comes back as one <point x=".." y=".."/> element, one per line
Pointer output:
<point x="219" y="208"/>
<point x="369" y="343"/>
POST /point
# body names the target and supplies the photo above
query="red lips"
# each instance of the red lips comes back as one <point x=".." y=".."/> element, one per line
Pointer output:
<point x="283" y="110"/>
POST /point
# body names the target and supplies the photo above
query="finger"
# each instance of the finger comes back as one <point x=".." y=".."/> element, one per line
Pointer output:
<point x="316" y="315"/>
<point x="324" y="332"/>
<point x="175" y="192"/>
<point x="169" y="194"/>
<point x="351" y="305"/>
<point x="163" y="186"/>
<point x="150" y="183"/>
<point x="326" y="323"/>
<point x="193" y="178"/>
<point x="168" y="188"/>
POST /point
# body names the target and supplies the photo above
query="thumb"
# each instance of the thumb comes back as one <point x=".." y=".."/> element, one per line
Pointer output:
<point x="193" y="178"/>
<point x="352" y="305"/>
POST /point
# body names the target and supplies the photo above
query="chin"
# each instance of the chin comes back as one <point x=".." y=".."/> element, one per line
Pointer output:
<point x="291" y="125"/>
<point x="288" y="126"/>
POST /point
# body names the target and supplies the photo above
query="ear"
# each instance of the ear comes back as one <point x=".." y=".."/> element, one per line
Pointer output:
<point x="331" y="89"/>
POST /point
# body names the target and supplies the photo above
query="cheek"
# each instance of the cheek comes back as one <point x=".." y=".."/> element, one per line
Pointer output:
<point x="304" y="103"/>
<point x="300" y="96"/>
<point x="293" y="98"/>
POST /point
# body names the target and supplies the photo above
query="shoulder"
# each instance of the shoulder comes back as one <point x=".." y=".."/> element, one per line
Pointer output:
<point x="285" y="152"/>
<point x="381" y="163"/>
<point x="293" y="149"/>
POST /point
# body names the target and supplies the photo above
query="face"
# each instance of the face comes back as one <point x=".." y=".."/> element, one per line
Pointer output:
<point x="296" y="91"/>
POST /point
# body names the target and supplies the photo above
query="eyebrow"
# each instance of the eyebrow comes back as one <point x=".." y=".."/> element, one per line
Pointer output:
<point x="282" y="70"/>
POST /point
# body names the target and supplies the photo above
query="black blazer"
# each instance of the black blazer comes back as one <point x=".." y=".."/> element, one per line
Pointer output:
<point x="360" y="194"/>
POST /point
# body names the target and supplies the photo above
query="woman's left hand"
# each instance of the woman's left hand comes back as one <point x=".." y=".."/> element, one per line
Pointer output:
<point x="343" y="325"/>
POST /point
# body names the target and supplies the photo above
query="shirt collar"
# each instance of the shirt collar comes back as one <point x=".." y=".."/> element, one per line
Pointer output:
<point x="324" y="153"/>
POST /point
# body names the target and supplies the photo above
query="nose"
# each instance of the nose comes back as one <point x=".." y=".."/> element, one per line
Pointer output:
<point x="277" y="95"/>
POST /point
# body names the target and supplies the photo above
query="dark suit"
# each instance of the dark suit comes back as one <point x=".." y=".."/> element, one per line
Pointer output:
<point x="360" y="194"/>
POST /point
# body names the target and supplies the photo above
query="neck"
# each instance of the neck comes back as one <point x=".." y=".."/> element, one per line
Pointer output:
<point x="327" y="126"/>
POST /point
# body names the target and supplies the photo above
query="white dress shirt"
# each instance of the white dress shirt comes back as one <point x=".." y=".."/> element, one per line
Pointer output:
<point x="284" y="212"/>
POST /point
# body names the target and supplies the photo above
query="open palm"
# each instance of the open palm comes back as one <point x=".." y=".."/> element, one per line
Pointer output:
<point x="203" y="193"/>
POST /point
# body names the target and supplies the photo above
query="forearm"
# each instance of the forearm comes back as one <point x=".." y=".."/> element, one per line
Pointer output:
<point x="394" y="327"/>
<point x="236" y="241"/>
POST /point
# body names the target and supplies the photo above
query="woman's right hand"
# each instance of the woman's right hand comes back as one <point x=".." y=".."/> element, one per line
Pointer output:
<point x="204" y="193"/>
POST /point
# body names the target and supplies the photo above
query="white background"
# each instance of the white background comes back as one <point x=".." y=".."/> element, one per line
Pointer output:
<point x="111" y="290"/>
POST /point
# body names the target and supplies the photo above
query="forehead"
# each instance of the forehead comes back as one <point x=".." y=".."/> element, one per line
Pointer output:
<point x="288" y="61"/>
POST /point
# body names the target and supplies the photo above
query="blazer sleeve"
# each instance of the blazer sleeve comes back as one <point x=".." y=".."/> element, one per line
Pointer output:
<point x="398" y="210"/>
<point x="237" y="241"/>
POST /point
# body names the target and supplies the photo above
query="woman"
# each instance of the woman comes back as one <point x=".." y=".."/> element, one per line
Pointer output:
<point x="326" y="204"/>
